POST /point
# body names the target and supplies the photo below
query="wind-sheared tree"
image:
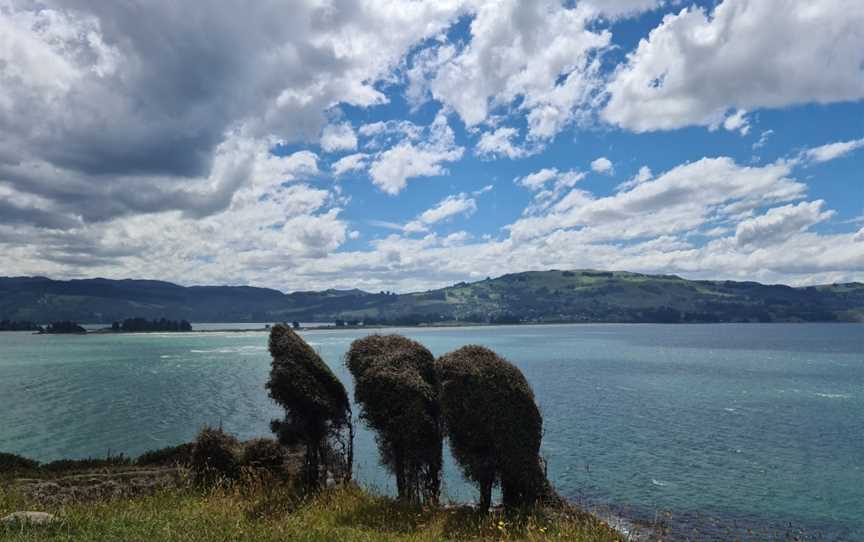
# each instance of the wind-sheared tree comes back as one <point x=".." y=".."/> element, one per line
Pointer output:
<point x="494" y="426"/>
<point x="317" y="409"/>
<point x="396" y="388"/>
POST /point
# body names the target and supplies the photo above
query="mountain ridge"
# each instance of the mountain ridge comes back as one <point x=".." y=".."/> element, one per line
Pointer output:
<point x="584" y="295"/>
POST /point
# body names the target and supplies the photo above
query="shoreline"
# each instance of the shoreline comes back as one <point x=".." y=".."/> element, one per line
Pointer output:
<point x="108" y="331"/>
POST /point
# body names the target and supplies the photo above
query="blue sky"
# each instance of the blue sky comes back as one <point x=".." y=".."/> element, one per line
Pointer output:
<point x="408" y="145"/>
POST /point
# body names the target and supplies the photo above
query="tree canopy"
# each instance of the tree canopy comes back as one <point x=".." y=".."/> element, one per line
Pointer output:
<point x="493" y="424"/>
<point x="396" y="388"/>
<point x="317" y="409"/>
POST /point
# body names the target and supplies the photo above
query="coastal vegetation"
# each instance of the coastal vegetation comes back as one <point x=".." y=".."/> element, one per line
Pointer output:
<point x="410" y="400"/>
<point x="395" y="384"/>
<point x="195" y="492"/>
<point x="530" y="297"/>
<point x="317" y="409"/>
<point x="260" y="512"/>
<point x="299" y="487"/>
<point x="216" y="455"/>
<point x="12" y="462"/>
<point x="494" y="426"/>
<point x="135" y="325"/>
<point x="63" y="327"/>
<point x="12" y="325"/>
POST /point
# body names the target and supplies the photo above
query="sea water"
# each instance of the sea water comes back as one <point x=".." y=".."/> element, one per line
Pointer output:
<point x="728" y="429"/>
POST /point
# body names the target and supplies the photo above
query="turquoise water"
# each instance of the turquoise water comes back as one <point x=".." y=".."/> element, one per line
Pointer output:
<point x="726" y="426"/>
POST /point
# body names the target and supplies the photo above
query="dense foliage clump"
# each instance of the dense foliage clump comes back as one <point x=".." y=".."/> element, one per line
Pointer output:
<point x="317" y="409"/>
<point x="494" y="425"/>
<point x="396" y="388"/>
<point x="12" y="462"/>
<point x="14" y="325"/>
<point x="64" y="326"/>
<point x="216" y="455"/>
<point x="264" y="453"/>
<point x="168" y="456"/>
<point x="132" y="325"/>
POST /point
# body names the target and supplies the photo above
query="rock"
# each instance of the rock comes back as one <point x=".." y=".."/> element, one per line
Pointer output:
<point x="31" y="518"/>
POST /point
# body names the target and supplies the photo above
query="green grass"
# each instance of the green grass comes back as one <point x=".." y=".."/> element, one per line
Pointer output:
<point x="265" y="512"/>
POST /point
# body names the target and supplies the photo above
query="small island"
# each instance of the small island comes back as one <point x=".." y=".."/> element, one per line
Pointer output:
<point x="14" y="325"/>
<point x="62" y="327"/>
<point x="137" y="325"/>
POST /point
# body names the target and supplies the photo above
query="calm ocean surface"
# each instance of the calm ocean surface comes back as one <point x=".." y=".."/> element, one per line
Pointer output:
<point x="728" y="427"/>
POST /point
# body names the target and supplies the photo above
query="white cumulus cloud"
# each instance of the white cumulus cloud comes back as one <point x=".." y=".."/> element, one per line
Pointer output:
<point x="780" y="223"/>
<point x="338" y="137"/>
<point x="540" y="53"/>
<point x="602" y="165"/>
<point x="352" y="162"/>
<point x="831" y="151"/>
<point x="499" y="142"/>
<point x="392" y="168"/>
<point x="737" y="122"/>
<point x="459" y="204"/>
<point x="548" y="184"/>
<point x="623" y="8"/>
<point x="744" y="55"/>
<point x="679" y="200"/>
<point x="641" y="176"/>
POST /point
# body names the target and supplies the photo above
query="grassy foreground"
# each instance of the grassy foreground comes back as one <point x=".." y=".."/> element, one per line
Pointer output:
<point x="265" y="512"/>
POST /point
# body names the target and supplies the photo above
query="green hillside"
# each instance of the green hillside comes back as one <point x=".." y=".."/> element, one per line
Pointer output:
<point x="605" y="296"/>
<point x="536" y="296"/>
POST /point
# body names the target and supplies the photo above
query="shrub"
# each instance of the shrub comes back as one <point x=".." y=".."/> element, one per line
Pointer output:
<point x="215" y="455"/>
<point x="494" y="425"/>
<point x="170" y="455"/>
<point x="264" y="453"/>
<point x="317" y="409"/>
<point x="396" y="389"/>
<point x="12" y="462"/>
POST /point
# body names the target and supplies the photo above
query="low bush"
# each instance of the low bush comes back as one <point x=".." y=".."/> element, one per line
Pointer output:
<point x="168" y="456"/>
<point x="216" y="455"/>
<point x="12" y="462"/>
<point x="264" y="453"/>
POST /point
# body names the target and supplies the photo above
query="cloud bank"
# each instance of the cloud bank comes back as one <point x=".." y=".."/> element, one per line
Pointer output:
<point x="166" y="140"/>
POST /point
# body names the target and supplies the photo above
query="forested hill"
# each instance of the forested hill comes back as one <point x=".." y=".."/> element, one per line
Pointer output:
<point x="541" y="296"/>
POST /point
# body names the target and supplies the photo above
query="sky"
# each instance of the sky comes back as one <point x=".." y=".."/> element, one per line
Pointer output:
<point x="404" y="145"/>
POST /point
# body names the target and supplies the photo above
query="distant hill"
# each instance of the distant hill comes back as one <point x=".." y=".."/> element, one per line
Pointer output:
<point x="536" y="296"/>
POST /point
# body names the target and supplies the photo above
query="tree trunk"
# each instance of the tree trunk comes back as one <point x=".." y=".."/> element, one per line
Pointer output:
<point x="312" y="467"/>
<point x="399" y="467"/>
<point x="431" y="476"/>
<point x="349" y="471"/>
<point x="486" y="494"/>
